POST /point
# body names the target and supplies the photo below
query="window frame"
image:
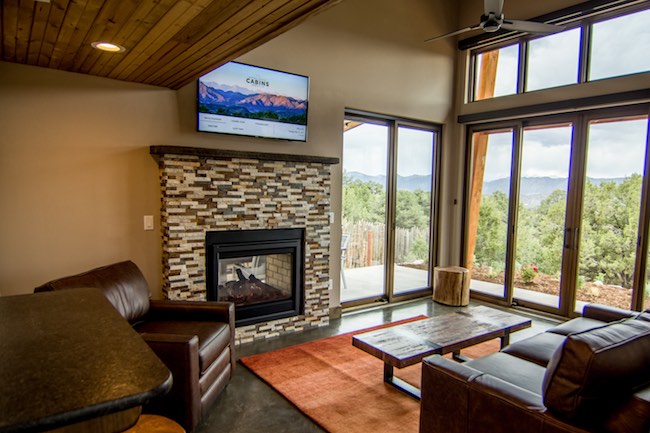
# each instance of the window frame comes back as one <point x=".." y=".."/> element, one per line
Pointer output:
<point x="508" y="39"/>
<point x="393" y="123"/>
<point x="580" y="120"/>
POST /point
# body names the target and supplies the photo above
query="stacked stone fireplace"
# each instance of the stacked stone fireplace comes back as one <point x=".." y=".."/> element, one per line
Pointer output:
<point x="206" y="191"/>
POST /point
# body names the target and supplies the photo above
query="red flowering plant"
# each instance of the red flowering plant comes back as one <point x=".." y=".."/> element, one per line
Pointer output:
<point x="528" y="273"/>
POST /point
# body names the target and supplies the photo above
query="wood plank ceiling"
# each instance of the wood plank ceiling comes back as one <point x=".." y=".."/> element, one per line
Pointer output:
<point x="168" y="43"/>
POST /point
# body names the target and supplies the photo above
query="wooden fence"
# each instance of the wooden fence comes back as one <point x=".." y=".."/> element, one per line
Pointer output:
<point x="365" y="243"/>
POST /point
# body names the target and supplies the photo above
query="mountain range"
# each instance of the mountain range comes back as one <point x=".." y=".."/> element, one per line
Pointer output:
<point x="532" y="189"/>
<point x="409" y="183"/>
<point x="232" y="101"/>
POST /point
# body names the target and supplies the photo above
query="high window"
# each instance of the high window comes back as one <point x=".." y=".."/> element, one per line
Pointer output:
<point x="597" y="48"/>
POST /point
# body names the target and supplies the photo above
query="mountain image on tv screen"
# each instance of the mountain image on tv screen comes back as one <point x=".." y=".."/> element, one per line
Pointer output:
<point x="244" y="91"/>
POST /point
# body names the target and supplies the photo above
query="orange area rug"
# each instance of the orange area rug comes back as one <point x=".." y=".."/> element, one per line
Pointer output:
<point x="341" y="388"/>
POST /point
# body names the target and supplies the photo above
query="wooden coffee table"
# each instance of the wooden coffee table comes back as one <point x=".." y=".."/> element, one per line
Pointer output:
<point x="404" y="345"/>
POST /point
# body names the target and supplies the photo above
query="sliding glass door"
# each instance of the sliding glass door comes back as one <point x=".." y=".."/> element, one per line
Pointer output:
<point x="413" y="199"/>
<point x="609" y="227"/>
<point x="557" y="211"/>
<point x="365" y="177"/>
<point x="490" y="210"/>
<point x="541" y="213"/>
<point x="388" y="222"/>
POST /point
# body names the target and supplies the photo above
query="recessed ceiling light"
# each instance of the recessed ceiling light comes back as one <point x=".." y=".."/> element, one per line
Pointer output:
<point x="108" y="46"/>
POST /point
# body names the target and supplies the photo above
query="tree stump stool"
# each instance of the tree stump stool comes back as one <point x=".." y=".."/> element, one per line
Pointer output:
<point x="451" y="285"/>
<point x="155" y="424"/>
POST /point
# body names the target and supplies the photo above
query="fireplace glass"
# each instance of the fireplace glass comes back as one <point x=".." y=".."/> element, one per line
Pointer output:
<point x="255" y="279"/>
<point x="260" y="271"/>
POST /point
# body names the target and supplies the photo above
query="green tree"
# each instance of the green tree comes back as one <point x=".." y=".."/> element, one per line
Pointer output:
<point x="550" y="220"/>
<point x="609" y="230"/>
<point x="412" y="209"/>
<point x="490" y="247"/>
<point x="363" y="201"/>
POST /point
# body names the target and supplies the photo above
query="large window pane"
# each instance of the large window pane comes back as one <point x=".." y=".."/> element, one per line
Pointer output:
<point x="610" y="214"/>
<point x="496" y="72"/>
<point x="553" y="60"/>
<point x="365" y="150"/>
<point x="489" y="202"/>
<point x="413" y="209"/>
<point x="544" y="182"/>
<point x="620" y="46"/>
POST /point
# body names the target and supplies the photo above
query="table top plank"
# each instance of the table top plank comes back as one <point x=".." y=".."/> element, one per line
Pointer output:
<point x="68" y="356"/>
<point x="407" y="344"/>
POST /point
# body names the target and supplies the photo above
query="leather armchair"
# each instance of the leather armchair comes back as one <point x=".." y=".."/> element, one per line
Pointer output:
<point x="195" y="340"/>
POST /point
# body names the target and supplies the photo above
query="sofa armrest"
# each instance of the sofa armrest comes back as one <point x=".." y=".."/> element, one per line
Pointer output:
<point x="180" y="353"/>
<point x="458" y="398"/>
<point x="606" y="313"/>
<point x="193" y="310"/>
<point x="498" y="406"/>
<point x="445" y="395"/>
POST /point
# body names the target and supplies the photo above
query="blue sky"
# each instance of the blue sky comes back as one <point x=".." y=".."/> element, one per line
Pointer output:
<point x="365" y="150"/>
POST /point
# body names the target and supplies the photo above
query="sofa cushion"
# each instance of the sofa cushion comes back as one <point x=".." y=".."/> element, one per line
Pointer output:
<point x="214" y="337"/>
<point x="579" y="324"/>
<point x="516" y="371"/>
<point x="538" y="348"/>
<point x="594" y="371"/>
<point x="122" y="283"/>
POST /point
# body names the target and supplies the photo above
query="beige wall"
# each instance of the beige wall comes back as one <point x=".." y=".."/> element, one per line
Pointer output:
<point x="75" y="174"/>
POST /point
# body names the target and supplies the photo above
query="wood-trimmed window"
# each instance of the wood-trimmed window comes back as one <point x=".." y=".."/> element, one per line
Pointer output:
<point x="602" y="45"/>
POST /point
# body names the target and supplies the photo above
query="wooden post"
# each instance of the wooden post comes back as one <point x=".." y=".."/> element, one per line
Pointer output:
<point x="370" y="248"/>
<point x="451" y="285"/>
<point x="485" y="90"/>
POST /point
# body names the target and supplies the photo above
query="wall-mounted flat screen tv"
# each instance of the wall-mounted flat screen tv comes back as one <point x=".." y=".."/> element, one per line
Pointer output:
<point x="248" y="100"/>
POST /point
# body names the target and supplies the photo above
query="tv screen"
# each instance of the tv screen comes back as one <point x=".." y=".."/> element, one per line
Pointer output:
<point x="248" y="100"/>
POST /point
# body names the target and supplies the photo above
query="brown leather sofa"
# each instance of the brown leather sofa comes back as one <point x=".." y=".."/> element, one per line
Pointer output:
<point x="195" y="340"/>
<point x="589" y="374"/>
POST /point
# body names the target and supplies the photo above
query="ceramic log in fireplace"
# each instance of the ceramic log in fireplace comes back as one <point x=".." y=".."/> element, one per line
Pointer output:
<point x="261" y="271"/>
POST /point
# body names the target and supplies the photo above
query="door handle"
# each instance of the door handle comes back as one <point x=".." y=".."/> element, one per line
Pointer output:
<point x="567" y="237"/>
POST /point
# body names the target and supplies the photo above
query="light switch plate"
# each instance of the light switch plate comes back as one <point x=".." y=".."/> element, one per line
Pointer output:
<point x="148" y="222"/>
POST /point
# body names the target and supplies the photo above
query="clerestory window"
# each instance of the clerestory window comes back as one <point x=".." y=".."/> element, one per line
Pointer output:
<point x="594" y="49"/>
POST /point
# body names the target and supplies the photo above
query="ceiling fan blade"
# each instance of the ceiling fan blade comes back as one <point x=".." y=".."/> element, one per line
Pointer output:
<point x="531" y="27"/>
<point x="457" y="32"/>
<point x="494" y="6"/>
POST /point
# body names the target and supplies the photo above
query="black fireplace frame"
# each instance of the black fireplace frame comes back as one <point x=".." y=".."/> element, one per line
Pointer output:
<point x="238" y="243"/>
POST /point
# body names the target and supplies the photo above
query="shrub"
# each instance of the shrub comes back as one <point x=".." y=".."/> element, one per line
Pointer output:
<point x="528" y="273"/>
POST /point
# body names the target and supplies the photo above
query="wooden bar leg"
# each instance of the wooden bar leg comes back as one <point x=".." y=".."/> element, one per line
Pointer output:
<point x="398" y="383"/>
<point x="388" y="373"/>
<point x="505" y="340"/>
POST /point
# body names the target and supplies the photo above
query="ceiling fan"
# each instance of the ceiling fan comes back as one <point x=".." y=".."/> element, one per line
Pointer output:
<point x="493" y="20"/>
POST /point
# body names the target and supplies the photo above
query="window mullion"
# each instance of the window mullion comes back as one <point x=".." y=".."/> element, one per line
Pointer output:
<point x="585" y="45"/>
<point x="522" y="67"/>
<point x="641" y="263"/>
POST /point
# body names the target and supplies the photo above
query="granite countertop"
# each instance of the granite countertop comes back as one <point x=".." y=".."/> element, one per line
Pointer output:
<point x="68" y="356"/>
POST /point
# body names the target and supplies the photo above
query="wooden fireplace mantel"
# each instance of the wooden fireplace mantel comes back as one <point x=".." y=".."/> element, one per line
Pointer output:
<point x="158" y="151"/>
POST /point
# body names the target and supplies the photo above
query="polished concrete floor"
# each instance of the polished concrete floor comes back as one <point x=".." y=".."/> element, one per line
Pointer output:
<point x="249" y="405"/>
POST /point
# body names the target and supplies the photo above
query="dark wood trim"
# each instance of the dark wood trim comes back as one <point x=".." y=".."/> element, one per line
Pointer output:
<point x="159" y="151"/>
<point x="571" y="105"/>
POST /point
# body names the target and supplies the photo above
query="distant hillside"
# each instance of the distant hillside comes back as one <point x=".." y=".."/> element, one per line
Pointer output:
<point x="409" y="183"/>
<point x="533" y="189"/>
